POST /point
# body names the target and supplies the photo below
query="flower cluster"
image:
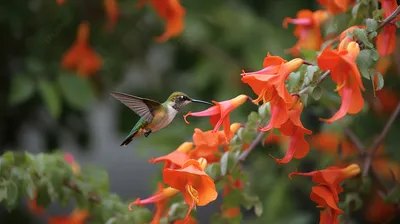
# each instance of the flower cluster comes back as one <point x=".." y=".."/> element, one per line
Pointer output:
<point x="337" y="58"/>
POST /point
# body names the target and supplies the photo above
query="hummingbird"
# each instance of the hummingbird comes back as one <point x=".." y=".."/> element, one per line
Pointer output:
<point x="153" y="115"/>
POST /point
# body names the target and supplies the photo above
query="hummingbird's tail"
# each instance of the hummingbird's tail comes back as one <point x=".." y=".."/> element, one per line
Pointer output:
<point x="130" y="137"/>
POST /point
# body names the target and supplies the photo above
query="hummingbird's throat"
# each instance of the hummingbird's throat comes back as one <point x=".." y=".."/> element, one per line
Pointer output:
<point x="194" y="194"/>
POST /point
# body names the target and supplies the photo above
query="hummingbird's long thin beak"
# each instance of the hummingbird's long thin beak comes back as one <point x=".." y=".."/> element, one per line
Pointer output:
<point x="201" y="101"/>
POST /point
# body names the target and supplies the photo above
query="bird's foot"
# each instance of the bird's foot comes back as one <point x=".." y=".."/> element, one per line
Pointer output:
<point x="147" y="132"/>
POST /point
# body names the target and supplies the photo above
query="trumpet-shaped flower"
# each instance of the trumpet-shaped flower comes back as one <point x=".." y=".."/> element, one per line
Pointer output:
<point x="78" y="216"/>
<point x="386" y="40"/>
<point x="197" y="187"/>
<point x="326" y="193"/>
<point x="176" y="158"/>
<point x="344" y="72"/>
<point x="298" y="147"/>
<point x="269" y="85"/>
<point x="159" y="197"/>
<point x="112" y="11"/>
<point x="336" y="6"/>
<point x="219" y="114"/>
<point x="81" y="57"/>
<point x="307" y="29"/>
<point x="172" y="12"/>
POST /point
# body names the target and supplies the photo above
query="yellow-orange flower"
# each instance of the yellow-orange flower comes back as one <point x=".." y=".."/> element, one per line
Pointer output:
<point x="307" y="29"/>
<point x="269" y="85"/>
<point x="336" y="6"/>
<point x="219" y="114"/>
<point x="81" y="57"/>
<point x="112" y="11"/>
<point x="197" y="187"/>
<point x="344" y="72"/>
<point x="326" y="193"/>
<point x="78" y="216"/>
<point x="160" y="196"/>
<point x="172" y="12"/>
<point x="176" y="158"/>
<point x="298" y="147"/>
<point x="386" y="40"/>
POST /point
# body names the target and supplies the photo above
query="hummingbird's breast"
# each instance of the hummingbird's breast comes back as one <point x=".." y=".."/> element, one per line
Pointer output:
<point x="162" y="118"/>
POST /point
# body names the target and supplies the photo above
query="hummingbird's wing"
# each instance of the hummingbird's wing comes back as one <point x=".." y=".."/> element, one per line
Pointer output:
<point x="143" y="107"/>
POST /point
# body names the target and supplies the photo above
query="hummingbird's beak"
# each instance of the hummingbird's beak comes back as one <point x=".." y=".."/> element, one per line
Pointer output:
<point x="201" y="101"/>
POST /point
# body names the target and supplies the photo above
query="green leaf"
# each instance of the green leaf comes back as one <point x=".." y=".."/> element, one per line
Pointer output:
<point x="361" y="34"/>
<point x="30" y="189"/>
<point x="258" y="208"/>
<point x="50" y="97"/>
<point x="378" y="14"/>
<point x="353" y="201"/>
<point x="381" y="81"/>
<point x="76" y="90"/>
<point x="177" y="211"/>
<point x="317" y="93"/>
<point x="311" y="71"/>
<point x="22" y="89"/>
<point x="394" y="195"/>
<point x="264" y="110"/>
<point x="224" y="163"/>
<point x="365" y="61"/>
<point x="213" y="170"/>
<point x="3" y="191"/>
<point x="375" y="54"/>
<point x="12" y="193"/>
<point x="371" y="24"/>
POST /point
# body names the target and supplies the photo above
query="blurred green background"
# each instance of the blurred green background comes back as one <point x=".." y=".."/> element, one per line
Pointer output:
<point x="45" y="108"/>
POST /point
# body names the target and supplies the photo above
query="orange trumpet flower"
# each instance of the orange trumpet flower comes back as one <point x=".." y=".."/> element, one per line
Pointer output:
<point x="81" y="57"/>
<point x="336" y="6"/>
<point x="197" y="187"/>
<point x="344" y="72"/>
<point x="176" y="158"/>
<point x="298" y="147"/>
<point x="307" y="30"/>
<point x="76" y="217"/>
<point x="326" y="193"/>
<point x="112" y="11"/>
<point x="219" y="114"/>
<point x="172" y="12"/>
<point x="269" y="85"/>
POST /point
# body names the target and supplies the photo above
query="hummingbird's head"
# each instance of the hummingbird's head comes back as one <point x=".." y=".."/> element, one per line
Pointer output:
<point x="178" y="100"/>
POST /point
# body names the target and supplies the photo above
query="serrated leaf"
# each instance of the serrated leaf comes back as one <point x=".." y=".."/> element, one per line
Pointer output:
<point x="224" y="163"/>
<point x="50" y="97"/>
<point x="317" y="93"/>
<point x="76" y="90"/>
<point x="371" y="24"/>
<point x="22" y="89"/>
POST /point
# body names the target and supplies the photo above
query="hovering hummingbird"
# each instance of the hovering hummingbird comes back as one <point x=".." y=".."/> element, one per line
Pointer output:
<point x="153" y="115"/>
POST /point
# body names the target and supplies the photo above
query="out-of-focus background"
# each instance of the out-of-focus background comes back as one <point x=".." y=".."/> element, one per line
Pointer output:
<point x="44" y="107"/>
